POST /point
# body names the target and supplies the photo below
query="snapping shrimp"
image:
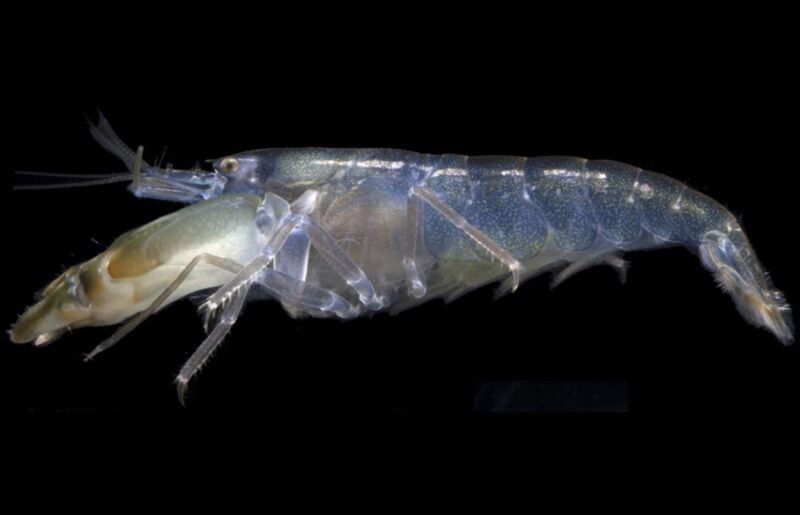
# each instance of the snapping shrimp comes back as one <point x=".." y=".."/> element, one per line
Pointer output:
<point x="345" y="232"/>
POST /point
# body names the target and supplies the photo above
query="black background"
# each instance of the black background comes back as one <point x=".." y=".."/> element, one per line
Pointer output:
<point x="666" y="344"/>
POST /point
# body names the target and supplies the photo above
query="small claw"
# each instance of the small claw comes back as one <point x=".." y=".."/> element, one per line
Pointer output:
<point x="97" y="350"/>
<point x="182" y="385"/>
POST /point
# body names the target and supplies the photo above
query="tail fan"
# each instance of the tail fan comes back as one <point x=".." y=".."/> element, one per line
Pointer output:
<point x="741" y="275"/>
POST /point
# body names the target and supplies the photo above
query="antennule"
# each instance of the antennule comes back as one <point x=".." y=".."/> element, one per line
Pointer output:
<point x="108" y="179"/>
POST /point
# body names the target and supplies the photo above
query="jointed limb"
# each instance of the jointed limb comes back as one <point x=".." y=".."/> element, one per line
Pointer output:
<point x="227" y="319"/>
<point x="413" y="230"/>
<point x="458" y="220"/>
<point x="304" y="232"/>
<point x="304" y="295"/>
<point x="244" y="275"/>
<point x="331" y="251"/>
<point x="343" y="264"/>
<point x="283" y="288"/>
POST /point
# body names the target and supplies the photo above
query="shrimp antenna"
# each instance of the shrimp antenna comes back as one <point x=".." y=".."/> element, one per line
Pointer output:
<point x="85" y="179"/>
<point x="105" y="136"/>
<point x="108" y="179"/>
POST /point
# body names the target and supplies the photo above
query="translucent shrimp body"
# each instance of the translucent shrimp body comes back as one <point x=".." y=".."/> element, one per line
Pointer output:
<point x="345" y="232"/>
<point x="421" y="226"/>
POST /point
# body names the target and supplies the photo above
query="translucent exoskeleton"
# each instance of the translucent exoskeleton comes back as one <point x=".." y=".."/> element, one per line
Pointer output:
<point x="345" y="232"/>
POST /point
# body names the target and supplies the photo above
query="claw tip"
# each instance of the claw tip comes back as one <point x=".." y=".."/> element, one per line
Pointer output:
<point x="182" y="385"/>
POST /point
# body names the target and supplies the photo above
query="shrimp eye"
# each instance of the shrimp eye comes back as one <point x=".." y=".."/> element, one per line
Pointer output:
<point x="229" y="165"/>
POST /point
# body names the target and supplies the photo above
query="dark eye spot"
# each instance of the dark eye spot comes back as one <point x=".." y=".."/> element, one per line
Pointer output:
<point x="229" y="165"/>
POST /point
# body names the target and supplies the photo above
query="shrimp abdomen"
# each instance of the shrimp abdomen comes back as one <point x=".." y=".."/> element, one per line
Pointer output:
<point x="549" y="209"/>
